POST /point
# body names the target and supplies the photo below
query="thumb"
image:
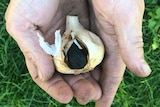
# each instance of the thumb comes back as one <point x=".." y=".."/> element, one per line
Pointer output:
<point x="131" y="49"/>
<point x="38" y="62"/>
<point x="130" y="41"/>
<point x="39" y="65"/>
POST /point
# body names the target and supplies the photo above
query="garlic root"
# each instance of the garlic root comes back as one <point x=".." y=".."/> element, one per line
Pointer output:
<point x="78" y="51"/>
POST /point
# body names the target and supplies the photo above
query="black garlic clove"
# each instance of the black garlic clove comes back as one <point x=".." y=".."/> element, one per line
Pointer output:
<point x="76" y="58"/>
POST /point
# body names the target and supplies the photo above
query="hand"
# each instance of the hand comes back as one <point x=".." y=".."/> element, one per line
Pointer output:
<point x="119" y="24"/>
<point x="24" y="18"/>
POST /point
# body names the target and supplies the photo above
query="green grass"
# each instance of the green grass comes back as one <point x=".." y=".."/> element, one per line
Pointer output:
<point x="18" y="90"/>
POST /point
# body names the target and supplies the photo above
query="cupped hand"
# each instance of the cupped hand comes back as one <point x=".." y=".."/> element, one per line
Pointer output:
<point x="119" y="24"/>
<point x="24" y="18"/>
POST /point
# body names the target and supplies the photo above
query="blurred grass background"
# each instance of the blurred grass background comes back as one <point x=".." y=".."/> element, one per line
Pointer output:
<point x="18" y="90"/>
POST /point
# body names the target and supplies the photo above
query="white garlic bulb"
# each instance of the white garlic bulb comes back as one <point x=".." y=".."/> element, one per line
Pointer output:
<point x="78" y="51"/>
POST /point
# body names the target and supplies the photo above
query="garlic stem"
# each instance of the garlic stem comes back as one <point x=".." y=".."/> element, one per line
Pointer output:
<point x="72" y="23"/>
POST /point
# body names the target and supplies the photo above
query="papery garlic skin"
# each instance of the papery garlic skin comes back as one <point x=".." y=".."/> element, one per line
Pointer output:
<point x="74" y="30"/>
<point x="53" y="49"/>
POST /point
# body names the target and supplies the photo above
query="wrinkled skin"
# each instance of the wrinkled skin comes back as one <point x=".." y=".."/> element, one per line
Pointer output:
<point x="117" y="22"/>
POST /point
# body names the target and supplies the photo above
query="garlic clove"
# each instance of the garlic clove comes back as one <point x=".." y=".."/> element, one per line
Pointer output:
<point x="75" y="52"/>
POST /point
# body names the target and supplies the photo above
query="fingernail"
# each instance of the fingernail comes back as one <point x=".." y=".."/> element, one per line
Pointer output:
<point x="145" y="68"/>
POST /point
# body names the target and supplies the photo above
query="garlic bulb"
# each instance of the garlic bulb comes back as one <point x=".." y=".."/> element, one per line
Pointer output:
<point x="78" y="51"/>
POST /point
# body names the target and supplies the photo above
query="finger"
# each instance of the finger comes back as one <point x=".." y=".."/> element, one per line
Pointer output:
<point x="84" y="91"/>
<point x="128" y="27"/>
<point x="113" y="70"/>
<point x="56" y="87"/>
<point x="90" y="78"/>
